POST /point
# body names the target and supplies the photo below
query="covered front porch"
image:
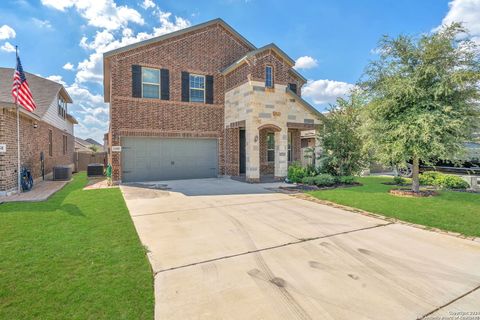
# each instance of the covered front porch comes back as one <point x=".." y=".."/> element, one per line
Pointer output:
<point x="262" y="153"/>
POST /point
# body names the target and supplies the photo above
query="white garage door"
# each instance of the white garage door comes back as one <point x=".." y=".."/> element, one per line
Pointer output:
<point x="154" y="159"/>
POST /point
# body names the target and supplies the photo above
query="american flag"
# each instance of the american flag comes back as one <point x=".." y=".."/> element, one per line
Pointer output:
<point x="21" y="91"/>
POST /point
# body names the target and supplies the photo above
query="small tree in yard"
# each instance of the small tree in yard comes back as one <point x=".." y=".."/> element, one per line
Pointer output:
<point x="341" y="140"/>
<point x="94" y="148"/>
<point x="423" y="98"/>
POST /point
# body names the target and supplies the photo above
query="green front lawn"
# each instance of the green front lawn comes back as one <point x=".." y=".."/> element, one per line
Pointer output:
<point x="452" y="211"/>
<point x="75" y="256"/>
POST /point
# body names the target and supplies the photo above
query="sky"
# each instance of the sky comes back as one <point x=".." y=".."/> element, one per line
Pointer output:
<point x="331" y="41"/>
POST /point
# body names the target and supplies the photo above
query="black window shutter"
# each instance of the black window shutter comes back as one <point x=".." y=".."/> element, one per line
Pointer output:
<point x="293" y="87"/>
<point x="136" y="81"/>
<point x="209" y="89"/>
<point x="165" y="84"/>
<point x="185" y="86"/>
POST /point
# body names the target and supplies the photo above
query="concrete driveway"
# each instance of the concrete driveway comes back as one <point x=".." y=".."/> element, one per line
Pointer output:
<point x="222" y="249"/>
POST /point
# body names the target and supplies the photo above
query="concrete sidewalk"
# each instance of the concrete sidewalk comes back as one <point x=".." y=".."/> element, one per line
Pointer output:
<point x="222" y="249"/>
<point x="41" y="191"/>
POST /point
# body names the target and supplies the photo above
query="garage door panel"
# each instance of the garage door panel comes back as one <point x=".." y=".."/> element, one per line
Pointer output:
<point x="150" y="159"/>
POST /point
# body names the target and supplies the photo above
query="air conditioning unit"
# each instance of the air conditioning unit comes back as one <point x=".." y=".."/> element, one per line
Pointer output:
<point x="62" y="173"/>
<point x="95" y="170"/>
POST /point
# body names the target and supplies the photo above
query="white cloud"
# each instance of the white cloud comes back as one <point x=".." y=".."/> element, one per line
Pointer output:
<point x="7" y="32"/>
<point x="113" y="31"/>
<point x="68" y="66"/>
<point x="148" y="4"/>
<point x="466" y="12"/>
<point x="90" y="69"/>
<point x="306" y="62"/>
<point x="57" y="79"/>
<point x="99" y="13"/>
<point x="7" y="47"/>
<point x="326" y="91"/>
<point x="42" y="23"/>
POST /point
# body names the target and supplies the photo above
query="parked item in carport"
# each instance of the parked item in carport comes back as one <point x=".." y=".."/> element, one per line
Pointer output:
<point x="95" y="169"/>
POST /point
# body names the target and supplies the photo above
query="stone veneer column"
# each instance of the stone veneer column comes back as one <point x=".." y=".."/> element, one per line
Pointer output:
<point x="281" y="145"/>
<point x="252" y="143"/>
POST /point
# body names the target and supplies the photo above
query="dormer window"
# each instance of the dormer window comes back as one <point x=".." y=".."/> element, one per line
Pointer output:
<point x="62" y="108"/>
<point x="269" y="77"/>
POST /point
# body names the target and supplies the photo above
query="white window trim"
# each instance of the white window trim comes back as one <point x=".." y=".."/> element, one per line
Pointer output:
<point x="190" y="88"/>
<point x="271" y="75"/>
<point x="152" y="83"/>
<point x="61" y="107"/>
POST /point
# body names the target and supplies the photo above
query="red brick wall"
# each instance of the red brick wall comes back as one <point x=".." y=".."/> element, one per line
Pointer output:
<point x="32" y="142"/>
<point x="207" y="52"/>
<point x="232" y="154"/>
<point x="280" y="67"/>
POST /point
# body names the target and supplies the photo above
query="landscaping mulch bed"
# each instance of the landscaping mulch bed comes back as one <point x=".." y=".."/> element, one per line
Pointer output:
<point x="305" y="187"/>
<point x="410" y="193"/>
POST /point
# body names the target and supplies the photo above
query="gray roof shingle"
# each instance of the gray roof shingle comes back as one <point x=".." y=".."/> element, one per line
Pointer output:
<point x="43" y="90"/>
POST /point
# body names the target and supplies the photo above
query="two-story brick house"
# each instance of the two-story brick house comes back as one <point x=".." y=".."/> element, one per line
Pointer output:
<point x="203" y="102"/>
<point x="46" y="133"/>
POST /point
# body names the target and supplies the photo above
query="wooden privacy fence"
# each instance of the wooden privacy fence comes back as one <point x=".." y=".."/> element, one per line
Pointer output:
<point x="83" y="159"/>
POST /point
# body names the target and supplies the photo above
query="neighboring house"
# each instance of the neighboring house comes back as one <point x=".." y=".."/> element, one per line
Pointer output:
<point x="86" y="145"/>
<point x="47" y="130"/>
<point x="203" y="102"/>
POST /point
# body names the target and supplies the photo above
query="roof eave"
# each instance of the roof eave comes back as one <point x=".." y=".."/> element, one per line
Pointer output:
<point x="298" y="74"/>
<point x="304" y="103"/>
<point x="178" y="33"/>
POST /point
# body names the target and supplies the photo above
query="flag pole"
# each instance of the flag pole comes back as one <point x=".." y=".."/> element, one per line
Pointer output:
<point x="18" y="132"/>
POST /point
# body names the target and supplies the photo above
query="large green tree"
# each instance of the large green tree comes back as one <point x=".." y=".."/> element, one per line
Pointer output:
<point x="423" y="97"/>
<point x="341" y="140"/>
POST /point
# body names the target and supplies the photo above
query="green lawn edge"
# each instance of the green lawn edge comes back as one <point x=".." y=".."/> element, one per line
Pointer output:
<point x="450" y="210"/>
<point x="75" y="256"/>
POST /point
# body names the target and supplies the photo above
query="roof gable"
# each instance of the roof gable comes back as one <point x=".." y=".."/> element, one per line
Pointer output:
<point x="159" y="39"/>
<point x="44" y="91"/>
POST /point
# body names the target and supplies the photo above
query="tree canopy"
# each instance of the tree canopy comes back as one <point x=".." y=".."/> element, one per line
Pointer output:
<point x="422" y="97"/>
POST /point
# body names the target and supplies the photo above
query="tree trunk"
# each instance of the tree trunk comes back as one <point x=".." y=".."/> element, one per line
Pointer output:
<point x="415" y="177"/>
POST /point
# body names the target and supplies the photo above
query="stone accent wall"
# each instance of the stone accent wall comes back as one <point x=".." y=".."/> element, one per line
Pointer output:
<point x="206" y="52"/>
<point x="32" y="142"/>
<point x="258" y="106"/>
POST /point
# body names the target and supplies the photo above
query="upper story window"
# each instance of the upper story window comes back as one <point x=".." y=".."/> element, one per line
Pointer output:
<point x="197" y="88"/>
<point x="150" y="83"/>
<point x="269" y="77"/>
<point x="62" y="107"/>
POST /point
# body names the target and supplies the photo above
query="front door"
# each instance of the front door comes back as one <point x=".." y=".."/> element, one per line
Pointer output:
<point x="242" y="151"/>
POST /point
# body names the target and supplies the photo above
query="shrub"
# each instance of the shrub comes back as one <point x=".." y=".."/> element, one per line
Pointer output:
<point x="447" y="181"/>
<point x="296" y="172"/>
<point x="399" y="180"/>
<point x="444" y="181"/>
<point x="308" y="180"/>
<point x="428" y="178"/>
<point x="346" y="180"/>
<point x="325" y="180"/>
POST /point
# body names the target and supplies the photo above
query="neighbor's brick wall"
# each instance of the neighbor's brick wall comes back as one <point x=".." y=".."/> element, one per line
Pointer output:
<point x="205" y="52"/>
<point x="32" y="142"/>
